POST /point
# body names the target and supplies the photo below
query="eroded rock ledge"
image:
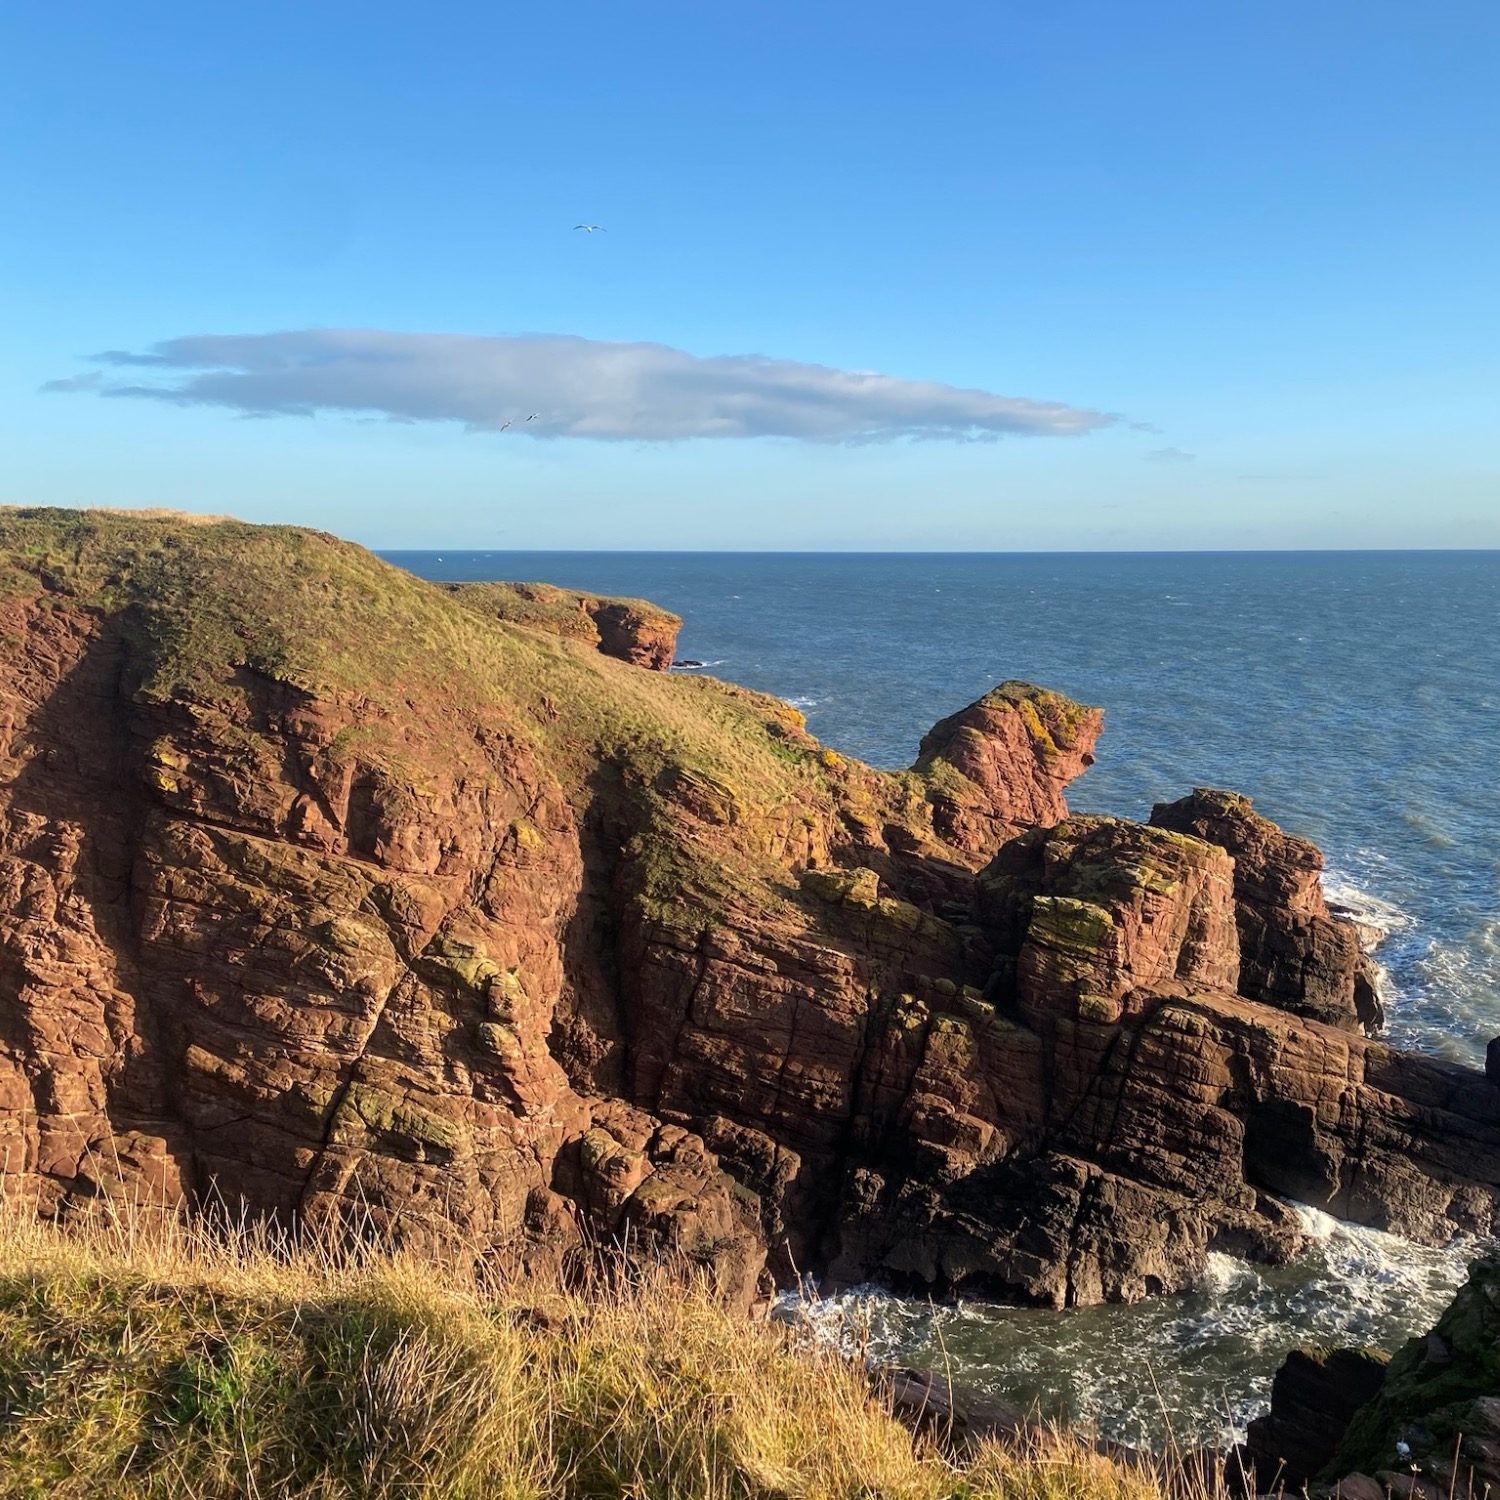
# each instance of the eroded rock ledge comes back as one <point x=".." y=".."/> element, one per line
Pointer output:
<point x="630" y="629"/>
<point x="340" y="894"/>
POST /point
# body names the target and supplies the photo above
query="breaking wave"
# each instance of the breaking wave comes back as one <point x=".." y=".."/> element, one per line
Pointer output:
<point x="1193" y="1368"/>
<point x="1377" y="919"/>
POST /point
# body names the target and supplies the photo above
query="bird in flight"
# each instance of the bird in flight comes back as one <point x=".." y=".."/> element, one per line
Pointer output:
<point x="504" y="425"/>
<point x="591" y="228"/>
<point x="533" y="416"/>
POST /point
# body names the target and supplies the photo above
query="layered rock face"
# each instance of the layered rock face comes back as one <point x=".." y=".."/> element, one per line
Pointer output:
<point x="327" y="893"/>
<point x="1023" y="745"/>
<point x="1130" y="1111"/>
<point x="1293" y="953"/>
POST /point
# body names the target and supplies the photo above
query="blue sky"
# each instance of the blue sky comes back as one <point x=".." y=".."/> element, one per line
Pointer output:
<point x="1151" y="275"/>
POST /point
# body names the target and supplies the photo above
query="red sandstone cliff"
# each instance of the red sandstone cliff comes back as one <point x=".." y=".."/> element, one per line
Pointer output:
<point x="329" y="892"/>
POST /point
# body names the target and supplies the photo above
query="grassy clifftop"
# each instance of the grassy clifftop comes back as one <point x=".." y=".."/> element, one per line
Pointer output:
<point x="138" y="1365"/>
<point x="425" y="675"/>
<point x="544" y="606"/>
<point x="205" y="602"/>
<point x="205" y="597"/>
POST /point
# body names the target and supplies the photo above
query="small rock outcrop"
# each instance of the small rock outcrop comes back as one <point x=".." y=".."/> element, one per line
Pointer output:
<point x="635" y="633"/>
<point x="1021" y="746"/>
<point x="1294" y="954"/>
<point x="1314" y="1397"/>
<point x="629" y="629"/>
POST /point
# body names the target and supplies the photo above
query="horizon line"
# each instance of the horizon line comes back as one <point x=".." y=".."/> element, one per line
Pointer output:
<point x="941" y="551"/>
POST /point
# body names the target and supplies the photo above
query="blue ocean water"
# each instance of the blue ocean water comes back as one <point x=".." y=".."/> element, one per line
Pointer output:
<point x="1354" y="696"/>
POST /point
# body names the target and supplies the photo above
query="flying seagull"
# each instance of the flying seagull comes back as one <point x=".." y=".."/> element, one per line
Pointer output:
<point x="504" y="425"/>
<point x="533" y="416"/>
<point x="591" y="228"/>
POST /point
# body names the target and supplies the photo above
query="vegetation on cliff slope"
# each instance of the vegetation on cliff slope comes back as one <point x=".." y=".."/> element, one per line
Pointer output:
<point x="426" y="674"/>
<point x="206" y="602"/>
<point x="162" y="1362"/>
<point x="558" y="611"/>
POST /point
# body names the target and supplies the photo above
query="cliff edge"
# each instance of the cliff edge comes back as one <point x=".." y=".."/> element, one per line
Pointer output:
<point x="337" y="894"/>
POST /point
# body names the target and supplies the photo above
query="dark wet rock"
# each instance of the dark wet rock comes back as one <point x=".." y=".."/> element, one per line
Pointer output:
<point x="1435" y="1421"/>
<point x="951" y="1414"/>
<point x="1313" y="1398"/>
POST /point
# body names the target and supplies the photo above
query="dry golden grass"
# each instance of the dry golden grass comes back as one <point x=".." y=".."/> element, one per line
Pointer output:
<point x="145" y="513"/>
<point x="140" y="1359"/>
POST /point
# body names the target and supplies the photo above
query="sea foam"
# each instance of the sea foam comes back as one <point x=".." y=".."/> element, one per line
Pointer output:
<point x="1193" y="1368"/>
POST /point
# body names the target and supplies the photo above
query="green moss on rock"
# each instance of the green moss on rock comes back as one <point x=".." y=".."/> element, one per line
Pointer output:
<point x="385" y="1113"/>
<point x="1437" y="1388"/>
<point x="857" y="887"/>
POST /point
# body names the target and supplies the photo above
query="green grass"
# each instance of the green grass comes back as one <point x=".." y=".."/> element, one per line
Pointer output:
<point x="145" y="1361"/>
<point x="427" y="679"/>
<point x="544" y="606"/>
<point x="202" y="600"/>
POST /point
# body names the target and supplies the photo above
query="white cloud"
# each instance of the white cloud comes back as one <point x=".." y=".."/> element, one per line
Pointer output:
<point x="582" y="388"/>
<point x="1170" y="456"/>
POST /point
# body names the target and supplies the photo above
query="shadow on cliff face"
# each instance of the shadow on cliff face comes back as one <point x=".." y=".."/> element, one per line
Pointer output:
<point x="591" y="1029"/>
<point x="94" y="1113"/>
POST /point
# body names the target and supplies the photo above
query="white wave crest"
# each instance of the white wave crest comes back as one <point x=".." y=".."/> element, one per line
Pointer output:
<point x="1376" y="918"/>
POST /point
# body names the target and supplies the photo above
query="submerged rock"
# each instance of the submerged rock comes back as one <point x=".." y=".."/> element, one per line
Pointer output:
<point x="952" y="1416"/>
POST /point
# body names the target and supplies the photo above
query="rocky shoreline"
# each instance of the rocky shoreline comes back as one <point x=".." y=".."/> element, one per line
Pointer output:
<point x="341" y="897"/>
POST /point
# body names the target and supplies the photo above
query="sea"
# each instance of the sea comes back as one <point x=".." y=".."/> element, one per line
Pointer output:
<point x="1354" y="695"/>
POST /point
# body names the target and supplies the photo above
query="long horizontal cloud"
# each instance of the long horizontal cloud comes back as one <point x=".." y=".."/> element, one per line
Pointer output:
<point x="582" y="388"/>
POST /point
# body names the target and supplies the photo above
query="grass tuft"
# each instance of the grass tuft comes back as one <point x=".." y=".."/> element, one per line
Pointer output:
<point x="154" y="1359"/>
